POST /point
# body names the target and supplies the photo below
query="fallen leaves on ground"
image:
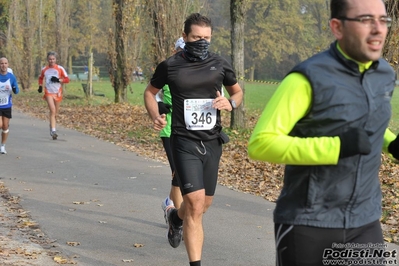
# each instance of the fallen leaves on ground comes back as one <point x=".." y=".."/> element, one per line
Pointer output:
<point x="130" y="127"/>
<point x="21" y="240"/>
<point x="62" y="260"/>
<point x="73" y="243"/>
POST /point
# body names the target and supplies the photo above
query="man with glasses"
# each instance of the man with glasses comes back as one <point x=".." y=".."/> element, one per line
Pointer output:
<point x="328" y="123"/>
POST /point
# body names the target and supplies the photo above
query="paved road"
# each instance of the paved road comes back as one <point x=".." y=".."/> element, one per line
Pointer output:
<point x="81" y="189"/>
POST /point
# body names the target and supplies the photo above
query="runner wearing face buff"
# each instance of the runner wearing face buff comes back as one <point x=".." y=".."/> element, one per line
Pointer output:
<point x="195" y="78"/>
<point x="196" y="51"/>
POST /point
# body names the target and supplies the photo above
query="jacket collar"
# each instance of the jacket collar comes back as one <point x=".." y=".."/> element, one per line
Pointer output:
<point x="348" y="62"/>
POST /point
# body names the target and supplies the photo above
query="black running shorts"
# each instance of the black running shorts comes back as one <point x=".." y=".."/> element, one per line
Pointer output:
<point x="6" y="112"/>
<point x="197" y="163"/>
<point x="298" y="245"/>
<point x="168" y="149"/>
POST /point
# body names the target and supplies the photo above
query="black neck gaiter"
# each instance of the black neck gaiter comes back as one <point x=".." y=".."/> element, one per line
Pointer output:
<point x="197" y="51"/>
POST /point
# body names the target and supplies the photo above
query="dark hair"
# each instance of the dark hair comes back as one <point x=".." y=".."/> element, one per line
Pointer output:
<point x="338" y="8"/>
<point x="196" y="19"/>
<point x="52" y="53"/>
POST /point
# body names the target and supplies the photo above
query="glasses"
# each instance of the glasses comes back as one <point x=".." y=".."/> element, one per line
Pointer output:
<point x="369" y="21"/>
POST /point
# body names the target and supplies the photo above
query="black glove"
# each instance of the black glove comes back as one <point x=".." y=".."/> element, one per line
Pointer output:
<point x="224" y="138"/>
<point x="164" y="108"/>
<point x="14" y="90"/>
<point x="354" y="141"/>
<point x="393" y="148"/>
<point x="40" y="89"/>
<point x="55" y="79"/>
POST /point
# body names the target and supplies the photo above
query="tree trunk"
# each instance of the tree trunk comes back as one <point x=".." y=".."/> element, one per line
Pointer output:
<point x="62" y="14"/>
<point x="27" y="74"/>
<point x="90" y="75"/>
<point x="252" y="73"/>
<point x="390" y="49"/>
<point x="40" y="56"/>
<point x="167" y="28"/>
<point x="120" y="79"/>
<point x="5" y="12"/>
<point x="22" y="29"/>
<point x="70" y="71"/>
<point x="59" y="26"/>
<point x="237" y="11"/>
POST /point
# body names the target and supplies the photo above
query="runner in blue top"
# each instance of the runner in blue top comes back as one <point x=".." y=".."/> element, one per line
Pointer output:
<point x="8" y="85"/>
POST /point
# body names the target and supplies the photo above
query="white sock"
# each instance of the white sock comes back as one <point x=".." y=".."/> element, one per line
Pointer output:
<point x="53" y="129"/>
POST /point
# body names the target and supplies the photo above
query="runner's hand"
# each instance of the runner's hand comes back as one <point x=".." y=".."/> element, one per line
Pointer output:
<point x="55" y="79"/>
<point x="393" y="148"/>
<point x="221" y="102"/>
<point x="14" y="90"/>
<point x="160" y="122"/>
<point x="164" y="108"/>
<point x="353" y="142"/>
<point x="40" y="90"/>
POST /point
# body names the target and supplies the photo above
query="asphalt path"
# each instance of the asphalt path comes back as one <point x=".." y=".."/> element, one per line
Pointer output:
<point x="101" y="203"/>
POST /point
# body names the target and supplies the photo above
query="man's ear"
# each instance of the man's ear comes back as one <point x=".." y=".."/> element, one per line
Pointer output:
<point x="336" y="27"/>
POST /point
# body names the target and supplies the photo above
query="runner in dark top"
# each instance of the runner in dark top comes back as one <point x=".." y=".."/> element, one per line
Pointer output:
<point x="195" y="78"/>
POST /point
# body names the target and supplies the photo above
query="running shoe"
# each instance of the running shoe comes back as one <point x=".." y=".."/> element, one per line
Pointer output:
<point x="3" y="149"/>
<point x="54" y="135"/>
<point x="166" y="204"/>
<point x="175" y="232"/>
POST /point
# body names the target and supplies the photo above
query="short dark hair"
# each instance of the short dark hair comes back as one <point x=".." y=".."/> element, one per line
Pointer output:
<point x="52" y="53"/>
<point x="338" y="8"/>
<point x="196" y="19"/>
